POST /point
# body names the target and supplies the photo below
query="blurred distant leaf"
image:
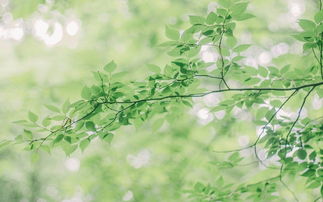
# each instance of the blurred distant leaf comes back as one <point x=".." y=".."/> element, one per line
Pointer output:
<point x="52" y="108"/>
<point x="241" y="48"/>
<point x="238" y="8"/>
<point x="319" y="16"/>
<point x="110" y="67"/>
<point x="244" y="16"/>
<point x="154" y="68"/>
<point x="32" y="117"/>
<point x="22" y="10"/>
<point x="68" y="148"/>
<point x="196" y="20"/>
<point x="225" y="3"/>
<point x="4" y="143"/>
<point x="157" y="124"/>
<point x="171" y="33"/>
<point x="86" y="93"/>
<point x="84" y="144"/>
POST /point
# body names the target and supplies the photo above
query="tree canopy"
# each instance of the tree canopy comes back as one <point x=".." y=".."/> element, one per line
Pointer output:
<point x="286" y="147"/>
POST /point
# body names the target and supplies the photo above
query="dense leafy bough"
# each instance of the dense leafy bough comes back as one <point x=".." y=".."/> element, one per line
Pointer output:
<point x="110" y="104"/>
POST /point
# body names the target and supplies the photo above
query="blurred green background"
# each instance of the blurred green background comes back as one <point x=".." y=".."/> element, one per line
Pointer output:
<point x="48" y="50"/>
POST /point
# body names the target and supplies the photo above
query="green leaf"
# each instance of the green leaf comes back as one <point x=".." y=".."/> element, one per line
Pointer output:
<point x="46" y="122"/>
<point x="270" y="114"/>
<point x="276" y="103"/>
<point x="314" y="185"/>
<point x="301" y="154"/>
<point x="68" y="148"/>
<point x="239" y="8"/>
<point x="107" y="137"/>
<point x="222" y="12"/>
<point x="261" y="112"/>
<point x="68" y="139"/>
<point x="244" y="16"/>
<point x="312" y="156"/>
<point x="58" y="118"/>
<point x="196" y="20"/>
<point x="154" y="68"/>
<point x="319" y="29"/>
<point x="28" y="134"/>
<point x="32" y="117"/>
<point x="252" y="81"/>
<point x="66" y="106"/>
<point x="110" y="67"/>
<point x="238" y="58"/>
<point x="168" y="44"/>
<point x="86" y="93"/>
<point x="262" y="71"/>
<point x="171" y="33"/>
<point x="223" y="164"/>
<point x="308" y="173"/>
<point x="211" y="18"/>
<point x="157" y="124"/>
<point x="225" y="3"/>
<point x="241" y="48"/>
<point x="198" y="187"/>
<point x="90" y="126"/>
<point x="319" y="92"/>
<point x="308" y="46"/>
<point x="187" y="103"/>
<point x="307" y="25"/>
<point x="58" y="139"/>
<point x="319" y="17"/>
<point x="52" y="108"/>
<point x="285" y="69"/>
<point x="231" y="41"/>
<point x="84" y="144"/>
<point x="235" y="157"/>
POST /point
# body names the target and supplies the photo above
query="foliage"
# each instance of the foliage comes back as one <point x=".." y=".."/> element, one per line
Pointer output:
<point x="169" y="90"/>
